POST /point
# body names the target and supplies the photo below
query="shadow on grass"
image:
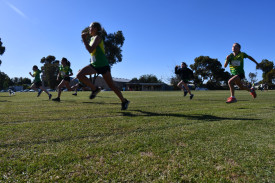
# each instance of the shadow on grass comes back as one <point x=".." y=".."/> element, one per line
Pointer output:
<point x="4" y="101"/>
<point x="203" y="117"/>
<point x="93" y="102"/>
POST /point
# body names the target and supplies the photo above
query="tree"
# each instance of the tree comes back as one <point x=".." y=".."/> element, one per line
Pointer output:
<point x="50" y="69"/>
<point x="271" y="76"/>
<point x="252" y="77"/>
<point x="5" y="81"/>
<point x="147" y="78"/>
<point x="267" y="67"/>
<point x="21" y="81"/>
<point x="113" y="44"/>
<point x="2" y="50"/>
<point x="134" y="80"/>
<point x="174" y="81"/>
<point x="209" y="69"/>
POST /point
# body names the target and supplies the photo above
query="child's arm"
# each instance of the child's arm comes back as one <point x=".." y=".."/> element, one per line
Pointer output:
<point x="176" y="70"/>
<point x="31" y="74"/>
<point x="94" y="45"/>
<point x="227" y="61"/>
<point x="58" y="75"/>
<point x="252" y="59"/>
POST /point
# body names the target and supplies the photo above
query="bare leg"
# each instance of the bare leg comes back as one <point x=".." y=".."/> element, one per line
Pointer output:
<point x="236" y="80"/>
<point x="43" y="89"/>
<point x="186" y="87"/>
<point x="180" y="84"/>
<point x="67" y="84"/>
<point x="33" y="86"/>
<point x="88" y="70"/>
<point x="62" y="83"/>
<point x="109" y="80"/>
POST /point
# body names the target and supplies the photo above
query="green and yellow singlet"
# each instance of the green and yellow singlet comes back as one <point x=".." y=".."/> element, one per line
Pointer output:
<point x="65" y="70"/>
<point x="98" y="55"/>
<point x="236" y="63"/>
<point x="36" y="75"/>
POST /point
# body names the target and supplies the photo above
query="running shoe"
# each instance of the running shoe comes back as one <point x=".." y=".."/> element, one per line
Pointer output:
<point x="253" y="93"/>
<point x="50" y="96"/>
<point x="94" y="93"/>
<point x="39" y="93"/>
<point x="56" y="99"/>
<point x="124" y="105"/>
<point x="231" y="100"/>
<point x="191" y="96"/>
<point x="185" y="93"/>
<point x="75" y="94"/>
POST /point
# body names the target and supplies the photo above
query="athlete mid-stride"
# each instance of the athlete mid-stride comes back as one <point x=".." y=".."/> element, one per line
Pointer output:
<point x="236" y="64"/>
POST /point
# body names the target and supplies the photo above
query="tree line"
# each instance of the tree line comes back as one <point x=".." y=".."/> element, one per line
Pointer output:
<point x="50" y="68"/>
<point x="208" y="72"/>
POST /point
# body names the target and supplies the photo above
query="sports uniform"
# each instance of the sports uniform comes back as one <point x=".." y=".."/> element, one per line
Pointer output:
<point x="236" y="64"/>
<point x="37" y="81"/>
<point x="98" y="58"/>
<point x="65" y="71"/>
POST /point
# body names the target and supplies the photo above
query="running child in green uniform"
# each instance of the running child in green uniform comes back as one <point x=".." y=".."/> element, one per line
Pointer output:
<point x="64" y="72"/>
<point x="186" y="74"/>
<point x="99" y="64"/>
<point x="236" y="64"/>
<point x="37" y="83"/>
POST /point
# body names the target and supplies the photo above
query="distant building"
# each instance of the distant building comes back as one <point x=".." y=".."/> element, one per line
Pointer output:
<point x="100" y="82"/>
<point x="16" y="88"/>
<point x="148" y="87"/>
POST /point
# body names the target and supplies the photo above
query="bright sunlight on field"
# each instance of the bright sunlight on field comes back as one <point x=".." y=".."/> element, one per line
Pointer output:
<point x="162" y="137"/>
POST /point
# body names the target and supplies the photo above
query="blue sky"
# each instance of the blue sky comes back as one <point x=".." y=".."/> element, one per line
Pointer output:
<point x="158" y="34"/>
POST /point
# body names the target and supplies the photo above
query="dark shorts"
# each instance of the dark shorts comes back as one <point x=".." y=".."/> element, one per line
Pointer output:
<point x="242" y="76"/>
<point x="67" y="79"/>
<point x="101" y="70"/>
<point x="38" y="84"/>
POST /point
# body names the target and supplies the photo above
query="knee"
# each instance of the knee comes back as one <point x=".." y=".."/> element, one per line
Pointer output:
<point x="79" y="75"/>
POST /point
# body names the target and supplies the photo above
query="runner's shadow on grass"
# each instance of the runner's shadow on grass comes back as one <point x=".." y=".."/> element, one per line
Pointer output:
<point x="203" y="117"/>
<point x="100" y="103"/>
<point x="210" y="100"/>
<point x="4" y="101"/>
<point x="93" y="102"/>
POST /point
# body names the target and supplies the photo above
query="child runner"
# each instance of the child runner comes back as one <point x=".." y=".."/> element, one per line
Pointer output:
<point x="185" y="75"/>
<point x="236" y="64"/>
<point x="99" y="64"/>
<point x="64" y="72"/>
<point x="37" y="83"/>
<point x="77" y="86"/>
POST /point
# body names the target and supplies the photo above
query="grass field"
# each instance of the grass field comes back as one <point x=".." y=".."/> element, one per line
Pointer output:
<point x="162" y="137"/>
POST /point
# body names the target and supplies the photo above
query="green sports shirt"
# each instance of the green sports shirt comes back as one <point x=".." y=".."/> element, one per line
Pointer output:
<point x="98" y="55"/>
<point x="236" y="63"/>
<point x="65" y="70"/>
<point x="36" y="75"/>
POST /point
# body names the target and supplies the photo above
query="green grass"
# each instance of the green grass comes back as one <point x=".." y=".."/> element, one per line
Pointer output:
<point x="162" y="137"/>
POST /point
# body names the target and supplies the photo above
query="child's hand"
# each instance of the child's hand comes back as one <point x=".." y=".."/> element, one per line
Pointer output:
<point x="30" y="73"/>
<point x="84" y="35"/>
<point x="258" y="66"/>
